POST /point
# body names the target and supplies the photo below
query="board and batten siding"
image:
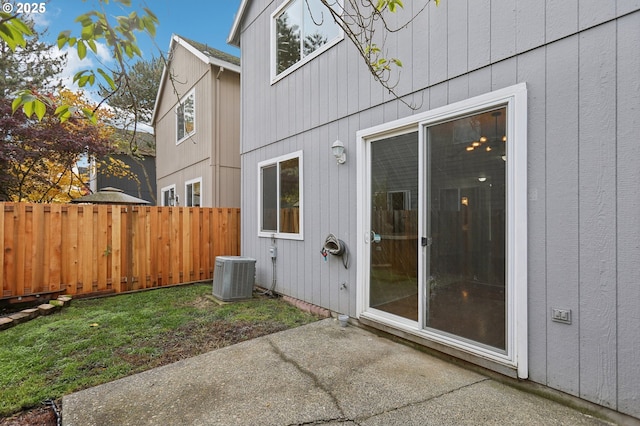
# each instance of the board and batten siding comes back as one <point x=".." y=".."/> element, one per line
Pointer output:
<point x="226" y="128"/>
<point x="190" y="73"/>
<point x="581" y="64"/>
<point x="212" y="152"/>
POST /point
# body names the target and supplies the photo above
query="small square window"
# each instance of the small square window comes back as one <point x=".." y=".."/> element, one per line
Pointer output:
<point x="281" y="197"/>
<point x="192" y="193"/>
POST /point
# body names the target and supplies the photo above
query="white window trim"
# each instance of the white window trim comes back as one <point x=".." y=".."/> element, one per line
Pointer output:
<point x="514" y="98"/>
<point x="276" y="161"/>
<point x="187" y="135"/>
<point x="191" y="182"/>
<point x="275" y="77"/>
<point x="167" y="189"/>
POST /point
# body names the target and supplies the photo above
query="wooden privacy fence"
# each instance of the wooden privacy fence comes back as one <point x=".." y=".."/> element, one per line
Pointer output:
<point x="93" y="249"/>
<point x="398" y="246"/>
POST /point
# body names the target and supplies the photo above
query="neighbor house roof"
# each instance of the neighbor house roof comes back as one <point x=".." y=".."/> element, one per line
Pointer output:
<point x="109" y="195"/>
<point x="206" y="54"/>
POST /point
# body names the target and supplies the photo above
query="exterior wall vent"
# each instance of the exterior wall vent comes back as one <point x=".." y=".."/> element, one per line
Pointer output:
<point x="233" y="278"/>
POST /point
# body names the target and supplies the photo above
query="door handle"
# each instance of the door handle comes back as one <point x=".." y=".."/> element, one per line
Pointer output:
<point x="371" y="236"/>
<point x="426" y="241"/>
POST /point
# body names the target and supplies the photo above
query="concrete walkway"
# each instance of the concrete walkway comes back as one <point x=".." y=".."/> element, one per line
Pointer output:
<point x="316" y="374"/>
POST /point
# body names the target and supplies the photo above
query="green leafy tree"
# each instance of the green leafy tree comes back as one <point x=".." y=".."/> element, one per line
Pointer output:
<point x="118" y="33"/>
<point x="133" y="102"/>
<point x="313" y="42"/>
<point x="30" y="65"/>
<point x="288" y="42"/>
<point x="142" y="80"/>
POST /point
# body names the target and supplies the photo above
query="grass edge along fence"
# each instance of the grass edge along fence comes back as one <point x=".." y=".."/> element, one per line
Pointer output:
<point x="51" y="249"/>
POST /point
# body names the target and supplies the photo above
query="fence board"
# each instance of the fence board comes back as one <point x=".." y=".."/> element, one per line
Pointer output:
<point x="5" y="284"/>
<point x="9" y="285"/>
<point x="185" y="248"/>
<point x="72" y="248"/>
<point x="84" y="249"/>
<point x="116" y="249"/>
<point x="19" y="232"/>
<point x="102" y="228"/>
<point x="165" y="247"/>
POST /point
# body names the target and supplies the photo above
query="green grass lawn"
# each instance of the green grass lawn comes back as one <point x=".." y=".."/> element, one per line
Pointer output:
<point x="100" y="340"/>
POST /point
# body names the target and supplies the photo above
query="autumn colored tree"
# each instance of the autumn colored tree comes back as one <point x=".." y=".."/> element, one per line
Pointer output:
<point x="39" y="151"/>
<point x="41" y="156"/>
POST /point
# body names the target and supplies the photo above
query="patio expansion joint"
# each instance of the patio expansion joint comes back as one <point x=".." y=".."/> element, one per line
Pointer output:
<point x="316" y="382"/>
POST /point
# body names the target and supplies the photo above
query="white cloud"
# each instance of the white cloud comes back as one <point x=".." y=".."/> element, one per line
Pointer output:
<point x="101" y="59"/>
<point x="41" y="20"/>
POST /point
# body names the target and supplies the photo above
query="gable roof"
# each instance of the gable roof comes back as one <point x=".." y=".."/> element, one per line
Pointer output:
<point x="234" y="35"/>
<point x="212" y="56"/>
<point x="206" y="54"/>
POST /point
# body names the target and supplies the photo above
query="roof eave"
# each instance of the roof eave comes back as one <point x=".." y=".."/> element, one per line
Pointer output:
<point x="224" y="64"/>
<point x="174" y="39"/>
<point x="234" y="35"/>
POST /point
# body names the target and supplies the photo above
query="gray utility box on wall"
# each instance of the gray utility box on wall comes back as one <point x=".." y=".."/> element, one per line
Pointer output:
<point x="233" y="278"/>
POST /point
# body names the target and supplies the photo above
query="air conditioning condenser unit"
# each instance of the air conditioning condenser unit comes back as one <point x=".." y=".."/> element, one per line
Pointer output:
<point x="233" y="278"/>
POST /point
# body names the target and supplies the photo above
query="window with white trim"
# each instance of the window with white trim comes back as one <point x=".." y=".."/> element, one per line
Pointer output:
<point x="192" y="191"/>
<point x="168" y="197"/>
<point x="280" y="197"/>
<point x="186" y="117"/>
<point x="301" y="30"/>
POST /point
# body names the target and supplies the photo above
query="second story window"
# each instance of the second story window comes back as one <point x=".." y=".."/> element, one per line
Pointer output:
<point x="186" y="117"/>
<point x="301" y="30"/>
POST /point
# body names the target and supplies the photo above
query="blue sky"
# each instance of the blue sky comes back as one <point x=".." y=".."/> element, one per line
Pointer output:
<point x="207" y="22"/>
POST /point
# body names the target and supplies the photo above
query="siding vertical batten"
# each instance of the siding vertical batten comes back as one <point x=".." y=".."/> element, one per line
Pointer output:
<point x="628" y="204"/>
<point x="597" y="216"/>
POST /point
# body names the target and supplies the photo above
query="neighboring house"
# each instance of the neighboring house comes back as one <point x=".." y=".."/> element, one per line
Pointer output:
<point x="197" y="127"/>
<point x="142" y="166"/>
<point x="497" y="222"/>
<point x="139" y="178"/>
<point x="144" y="186"/>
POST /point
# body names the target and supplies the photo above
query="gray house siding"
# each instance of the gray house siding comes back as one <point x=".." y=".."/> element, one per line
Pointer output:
<point x="581" y="64"/>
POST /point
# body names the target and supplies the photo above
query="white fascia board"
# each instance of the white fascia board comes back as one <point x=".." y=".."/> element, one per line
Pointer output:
<point x="234" y="35"/>
<point x="224" y="64"/>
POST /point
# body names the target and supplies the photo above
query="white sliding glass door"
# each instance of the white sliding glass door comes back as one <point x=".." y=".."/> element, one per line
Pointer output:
<point x="442" y="197"/>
